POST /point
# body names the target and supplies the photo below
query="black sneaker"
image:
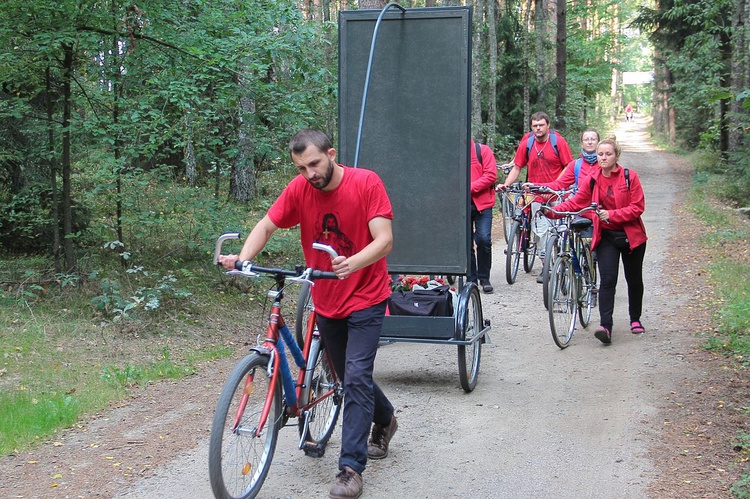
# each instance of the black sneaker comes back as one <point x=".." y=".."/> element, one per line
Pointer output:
<point x="603" y="334"/>
<point x="486" y="285"/>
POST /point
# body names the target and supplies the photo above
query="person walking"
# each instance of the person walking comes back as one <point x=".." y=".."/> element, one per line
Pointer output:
<point x="579" y="168"/>
<point x="483" y="177"/>
<point x="619" y="233"/>
<point x="350" y="310"/>
<point x="544" y="153"/>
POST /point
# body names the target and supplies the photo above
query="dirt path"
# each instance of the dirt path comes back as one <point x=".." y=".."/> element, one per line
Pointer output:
<point x="589" y="421"/>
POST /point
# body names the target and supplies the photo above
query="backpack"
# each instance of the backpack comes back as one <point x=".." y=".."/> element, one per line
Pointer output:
<point x="478" y="152"/>
<point x="552" y="139"/>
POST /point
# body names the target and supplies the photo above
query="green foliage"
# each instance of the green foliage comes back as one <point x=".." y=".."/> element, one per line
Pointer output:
<point x="131" y="375"/>
<point x="730" y="276"/>
<point x="741" y="488"/>
<point x="25" y="417"/>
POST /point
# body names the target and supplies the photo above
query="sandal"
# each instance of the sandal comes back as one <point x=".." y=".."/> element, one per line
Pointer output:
<point x="636" y="327"/>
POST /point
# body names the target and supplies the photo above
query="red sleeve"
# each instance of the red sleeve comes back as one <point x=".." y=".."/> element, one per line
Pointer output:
<point x="634" y="209"/>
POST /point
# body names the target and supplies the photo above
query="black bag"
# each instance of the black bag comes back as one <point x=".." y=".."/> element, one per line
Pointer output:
<point x="424" y="302"/>
<point x="618" y="238"/>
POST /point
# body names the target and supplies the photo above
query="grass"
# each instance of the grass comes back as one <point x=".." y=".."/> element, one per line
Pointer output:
<point x="57" y="365"/>
<point x="728" y="237"/>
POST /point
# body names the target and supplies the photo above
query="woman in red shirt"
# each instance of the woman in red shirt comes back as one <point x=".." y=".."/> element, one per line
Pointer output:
<point x="618" y="233"/>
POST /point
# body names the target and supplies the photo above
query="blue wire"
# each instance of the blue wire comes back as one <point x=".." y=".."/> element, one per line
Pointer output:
<point x="367" y="77"/>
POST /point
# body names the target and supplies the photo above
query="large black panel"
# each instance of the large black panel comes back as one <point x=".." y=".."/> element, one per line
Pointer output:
<point x="416" y="127"/>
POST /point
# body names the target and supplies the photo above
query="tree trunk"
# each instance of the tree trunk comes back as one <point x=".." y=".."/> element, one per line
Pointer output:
<point x="526" y="65"/>
<point x="242" y="179"/>
<point x="561" y="64"/>
<point x="67" y="214"/>
<point x="476" y="72"/>
<point x="56" y="250"/>
<point x="190" y="161"/>
<point x="371" y="4"/>
<point x="492" y="83"/>
<point x="740" y="74"/>
<point x="540" y="34"/>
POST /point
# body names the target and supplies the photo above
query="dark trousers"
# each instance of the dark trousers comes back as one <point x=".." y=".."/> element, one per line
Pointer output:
<point x="609" y="266"/>
<point x="481" y="232"/>
<point x="352" y="344"/>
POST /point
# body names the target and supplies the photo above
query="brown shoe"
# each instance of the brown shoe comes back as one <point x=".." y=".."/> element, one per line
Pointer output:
<point x="377" y="447"/>
<point x="348" y="484"/>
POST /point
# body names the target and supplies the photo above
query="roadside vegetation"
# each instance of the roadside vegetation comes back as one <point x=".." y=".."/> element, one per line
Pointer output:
<point x="714" y="201"/>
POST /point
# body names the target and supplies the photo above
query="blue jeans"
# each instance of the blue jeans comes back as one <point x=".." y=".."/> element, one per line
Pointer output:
<point x="481" y="232"/>
<point x="352" y="343"/>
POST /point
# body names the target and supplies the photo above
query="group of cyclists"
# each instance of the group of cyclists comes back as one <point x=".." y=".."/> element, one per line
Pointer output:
<point x="596" y="177"/>
<point x="350" y="309"/>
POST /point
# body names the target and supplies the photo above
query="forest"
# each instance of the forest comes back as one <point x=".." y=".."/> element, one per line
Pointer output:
<point x="110" y="110"/>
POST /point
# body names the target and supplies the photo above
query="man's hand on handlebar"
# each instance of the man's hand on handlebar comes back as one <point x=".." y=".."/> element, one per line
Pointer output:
<point x="228" y="261"/>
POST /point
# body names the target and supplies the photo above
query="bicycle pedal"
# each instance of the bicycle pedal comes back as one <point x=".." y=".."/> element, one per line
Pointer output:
<point x="314" y="450"/>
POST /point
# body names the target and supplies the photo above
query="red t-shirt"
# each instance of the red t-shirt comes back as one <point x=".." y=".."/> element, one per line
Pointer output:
<point x="338" y="218"/>
<point x="543" y="164"/>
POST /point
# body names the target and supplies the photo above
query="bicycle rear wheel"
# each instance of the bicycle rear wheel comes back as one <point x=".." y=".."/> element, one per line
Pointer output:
<point x="321" y="386"/>
<point x="562" y="302"/>
<point x="590" y="285"/>
<point x="239" y="452"/>
<point x="469" y="326"/>
<point x="513" y="253"/>
<point x="550" y="255"/>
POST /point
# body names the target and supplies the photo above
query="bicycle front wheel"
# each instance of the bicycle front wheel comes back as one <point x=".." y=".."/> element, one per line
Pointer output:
<point x="550" y="255"/>
<point x="302" y="316"/>
<point x="529" y="250"/>
<point x="590" y="285"/>
<point x="507" y="211"/>
<point x="240" y="449"/>
<point x="562" y="302"/>
<point x="513" y="253"/>
<point x="323" y="391"/>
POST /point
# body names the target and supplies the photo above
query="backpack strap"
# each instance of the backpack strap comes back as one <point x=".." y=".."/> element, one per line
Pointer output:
<point x="577" y="170"/>
<point x="478" y="151"/>
<point x="625" y="171"/>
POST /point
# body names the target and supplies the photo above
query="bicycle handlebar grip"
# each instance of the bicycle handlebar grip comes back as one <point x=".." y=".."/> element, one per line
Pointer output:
<point x="322" y="274"/>
<point x="324" y="247"/>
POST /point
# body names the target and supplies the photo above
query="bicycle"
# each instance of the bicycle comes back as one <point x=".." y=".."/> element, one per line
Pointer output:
<point x="554" y="241"/>
<point x="573" y="283"/>
<point x="506" y="204"/>
<point x="260" y="395"/>
<point x="521" y="239"/>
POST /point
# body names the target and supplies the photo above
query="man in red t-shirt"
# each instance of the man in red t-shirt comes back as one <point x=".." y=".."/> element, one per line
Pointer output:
<point x="545" y="161"/>
<point x="349" y="209"/>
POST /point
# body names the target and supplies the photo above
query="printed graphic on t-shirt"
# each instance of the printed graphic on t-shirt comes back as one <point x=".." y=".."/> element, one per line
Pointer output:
<point x="331" y="234"/>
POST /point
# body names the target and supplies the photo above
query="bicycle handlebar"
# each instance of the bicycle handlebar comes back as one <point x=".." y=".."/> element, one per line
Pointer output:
<point x="247" y="268"/>
<point x="591" y="207"/>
